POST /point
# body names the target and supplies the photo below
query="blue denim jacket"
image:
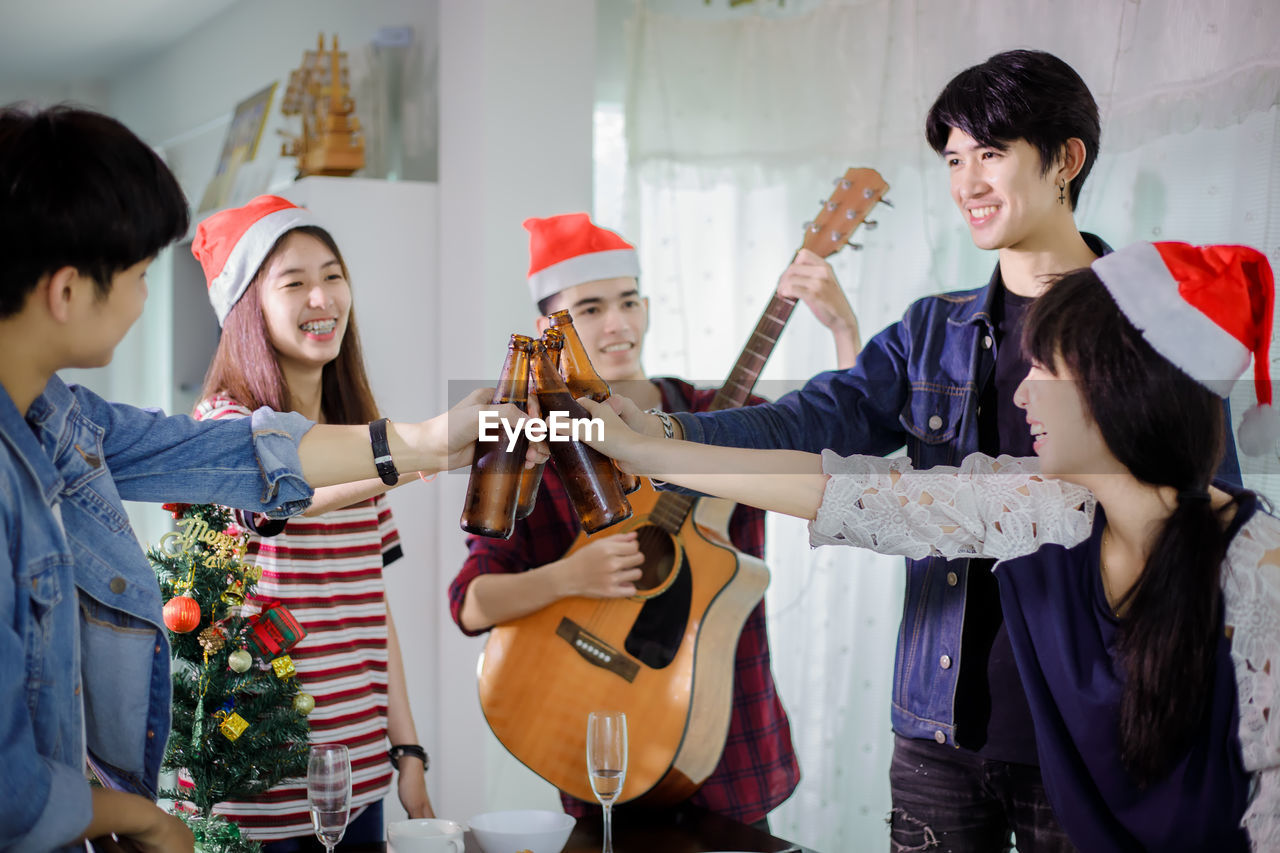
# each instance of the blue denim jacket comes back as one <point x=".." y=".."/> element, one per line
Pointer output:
<point x="84" y="659"/>
<point x="917" y="383"/>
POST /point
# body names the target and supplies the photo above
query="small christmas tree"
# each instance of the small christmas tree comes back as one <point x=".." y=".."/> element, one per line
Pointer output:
<point x="239" y="719"/>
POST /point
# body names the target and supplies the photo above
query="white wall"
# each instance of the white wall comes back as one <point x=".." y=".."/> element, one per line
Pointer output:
<point x="86" y="93"/>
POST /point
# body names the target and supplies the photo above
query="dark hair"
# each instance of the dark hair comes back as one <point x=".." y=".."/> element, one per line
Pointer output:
<point x="547" y="303"/>
<point x="245" y="366"/>
<point x="1168" y="430"/>
<point x="78" y="189"/>
<point x="1020" y="94"/>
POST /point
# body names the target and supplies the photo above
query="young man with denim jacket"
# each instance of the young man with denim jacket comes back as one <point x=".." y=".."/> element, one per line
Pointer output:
<point x="84" y="660"/>
<point x="1018" y="134"/>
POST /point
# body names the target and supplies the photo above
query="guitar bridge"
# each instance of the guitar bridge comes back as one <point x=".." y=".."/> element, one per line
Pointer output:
<point x="595" y="651"/>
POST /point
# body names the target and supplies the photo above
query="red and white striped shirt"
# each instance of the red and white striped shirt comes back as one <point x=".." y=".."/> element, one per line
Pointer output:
<point x="328" y="571"/>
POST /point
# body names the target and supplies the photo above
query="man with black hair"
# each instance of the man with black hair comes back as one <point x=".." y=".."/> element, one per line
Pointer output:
<point x="84" y="659"/>
<point x="1019" y="134"/>
<point x="593" y="273"/>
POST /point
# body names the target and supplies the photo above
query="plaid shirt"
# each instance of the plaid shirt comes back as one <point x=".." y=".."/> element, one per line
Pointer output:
<point x="758" y="769"/>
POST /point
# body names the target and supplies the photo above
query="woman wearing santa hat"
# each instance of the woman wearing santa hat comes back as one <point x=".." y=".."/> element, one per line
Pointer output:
<point x="280" y="288"/>
<point x="1146" y="629"/>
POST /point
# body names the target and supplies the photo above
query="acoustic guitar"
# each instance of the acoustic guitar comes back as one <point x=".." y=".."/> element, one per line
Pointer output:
<point x="665" y="656"/>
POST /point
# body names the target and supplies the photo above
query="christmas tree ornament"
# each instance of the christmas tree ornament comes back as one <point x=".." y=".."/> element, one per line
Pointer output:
<point x="234" y="595"/>
<point x="233" y="725"/>
<point x="274" y="631"/>
<point x="304" y="703"/>
<point x="240" y="660"/>
<point x="212" y="639"/>
<point x="181" y="614"/>
<point x="283" y="666"/>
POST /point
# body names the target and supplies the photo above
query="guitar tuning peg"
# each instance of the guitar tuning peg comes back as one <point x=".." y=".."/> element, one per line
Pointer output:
<point x="844" y="184"/>
<point x="867" y="193"/>
<point x="857" y="247"/>
<point x="850" y="214"/>
<point x="837" y="236"/>
<point x="807" y="225"/>
<point x="814" y="227"/>
<point x="831" y="205"/>
<point x="886" y="201"/>
<point x="870" y="224"/>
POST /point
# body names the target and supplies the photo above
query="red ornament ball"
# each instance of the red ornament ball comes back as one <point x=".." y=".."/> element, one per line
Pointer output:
<point x="181" y="614"/>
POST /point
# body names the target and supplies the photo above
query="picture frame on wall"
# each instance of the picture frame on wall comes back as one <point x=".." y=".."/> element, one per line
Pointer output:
<point x="238" y="147"/>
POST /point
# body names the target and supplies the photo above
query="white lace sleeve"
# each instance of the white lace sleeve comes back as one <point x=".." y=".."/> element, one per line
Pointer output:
<point x="1251" y="601"/>
<point x="987" y="507"/>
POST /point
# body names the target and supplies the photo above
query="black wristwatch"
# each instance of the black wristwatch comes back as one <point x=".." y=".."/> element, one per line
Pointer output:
<point x="400" y="750"/>
<point x="382" y="452"/>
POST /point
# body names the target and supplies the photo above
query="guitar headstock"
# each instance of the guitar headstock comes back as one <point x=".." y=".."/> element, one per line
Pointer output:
<point x="850" y="204"/>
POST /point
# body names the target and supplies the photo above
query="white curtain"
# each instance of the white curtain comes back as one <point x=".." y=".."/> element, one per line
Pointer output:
<point x="736" y="122"/>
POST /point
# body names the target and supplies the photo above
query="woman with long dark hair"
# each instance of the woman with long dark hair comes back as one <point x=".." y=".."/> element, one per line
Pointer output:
<point x="1147" y="628"/>
<point x="281" y="291"/>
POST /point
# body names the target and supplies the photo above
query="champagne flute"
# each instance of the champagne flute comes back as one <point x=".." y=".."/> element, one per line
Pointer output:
<point x="607" y="762"/>
<point x="329" y="792"/>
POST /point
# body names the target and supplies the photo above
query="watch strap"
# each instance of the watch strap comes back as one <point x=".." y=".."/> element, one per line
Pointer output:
<point x="400" y="750"/>
<point x="382" y="452"/>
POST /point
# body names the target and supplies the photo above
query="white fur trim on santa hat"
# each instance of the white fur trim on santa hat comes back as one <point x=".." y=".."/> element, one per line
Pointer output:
<point x="593" y="266"/>
<point x="249" y="253"/>
<point x="1147" y="293"/>
<point x="1259" y="430"/>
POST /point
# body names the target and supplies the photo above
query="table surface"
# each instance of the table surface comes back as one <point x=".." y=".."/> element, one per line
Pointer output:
<point x="686" y="831"/>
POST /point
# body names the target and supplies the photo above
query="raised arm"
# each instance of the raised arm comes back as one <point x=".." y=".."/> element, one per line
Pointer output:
<point x="786" y="481"/>
<point x="987" y="507"/>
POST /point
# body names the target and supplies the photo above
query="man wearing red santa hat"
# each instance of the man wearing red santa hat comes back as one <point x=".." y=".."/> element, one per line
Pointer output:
<point x="594" y="274"/>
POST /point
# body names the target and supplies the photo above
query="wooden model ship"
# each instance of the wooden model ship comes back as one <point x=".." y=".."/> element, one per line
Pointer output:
<point x="331" y="142"/>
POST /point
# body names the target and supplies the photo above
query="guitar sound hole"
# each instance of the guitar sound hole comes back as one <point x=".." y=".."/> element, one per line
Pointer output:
<point x="659" y="557"/>
<point x="655" y="636"/>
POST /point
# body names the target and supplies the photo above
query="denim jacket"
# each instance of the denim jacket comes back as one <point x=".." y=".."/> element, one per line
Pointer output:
<point x="84" y="659"/>
<point x="918" y="383"/>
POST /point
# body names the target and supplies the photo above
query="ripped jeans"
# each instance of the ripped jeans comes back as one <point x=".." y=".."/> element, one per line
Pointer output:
<point x="948" y="800"/>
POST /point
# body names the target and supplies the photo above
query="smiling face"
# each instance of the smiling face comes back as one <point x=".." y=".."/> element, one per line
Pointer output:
<point x="306" y="302"/>
<point x="611" y="318"/>
<point x="1066" y="437"/>
<point x="1005" y="200"/>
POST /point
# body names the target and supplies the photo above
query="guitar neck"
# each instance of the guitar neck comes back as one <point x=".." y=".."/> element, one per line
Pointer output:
<point x="671" y="508"/>
<point x="746" y="370"/>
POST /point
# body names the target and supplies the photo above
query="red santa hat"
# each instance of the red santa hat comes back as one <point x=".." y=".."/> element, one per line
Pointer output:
<point x="232" y="244"/>
<point x="569" y="249"/>
<point x="1208" y="310"/>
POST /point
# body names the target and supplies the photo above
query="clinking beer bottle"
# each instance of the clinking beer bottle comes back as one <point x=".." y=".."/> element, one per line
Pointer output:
<point x="531" y="478"/>
<point x="553" y="340"/>
<point x="588" y="475"/>
<point x="581" y="377"/>
<point x="494" y="487"/>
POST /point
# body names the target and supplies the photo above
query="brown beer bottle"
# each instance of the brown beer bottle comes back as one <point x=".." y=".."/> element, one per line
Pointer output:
<point x="494" y="487"/>
<point x="581" y="377"/>
<point x="588" y="475"/>
<point x="530" y="478"/>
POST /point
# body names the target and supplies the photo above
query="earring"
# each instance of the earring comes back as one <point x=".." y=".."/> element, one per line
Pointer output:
<point x="1062" y="192"/>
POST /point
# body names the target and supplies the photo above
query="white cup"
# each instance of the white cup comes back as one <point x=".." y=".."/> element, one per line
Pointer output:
<point x="425" y="835"/>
